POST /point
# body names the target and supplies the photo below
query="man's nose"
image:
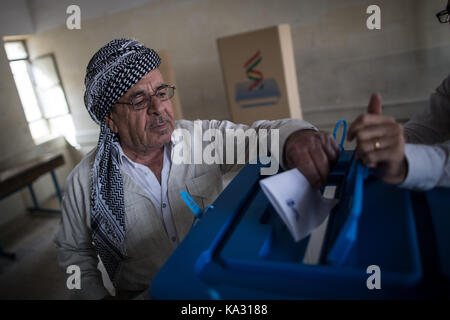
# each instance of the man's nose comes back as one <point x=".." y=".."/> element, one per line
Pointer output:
<point x="156" y="107"/>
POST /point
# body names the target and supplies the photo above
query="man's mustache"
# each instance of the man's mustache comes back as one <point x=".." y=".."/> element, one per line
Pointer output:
<point x="159" y="120"/>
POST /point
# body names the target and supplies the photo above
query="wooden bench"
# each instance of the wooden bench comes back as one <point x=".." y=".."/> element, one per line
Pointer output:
<point x="16" y="178"/>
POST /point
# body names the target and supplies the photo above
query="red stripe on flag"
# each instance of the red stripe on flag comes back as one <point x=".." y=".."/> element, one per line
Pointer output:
<point x="252" y="58"/>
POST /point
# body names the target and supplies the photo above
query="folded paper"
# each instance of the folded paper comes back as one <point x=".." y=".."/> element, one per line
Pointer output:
<point x="301" y="207"/>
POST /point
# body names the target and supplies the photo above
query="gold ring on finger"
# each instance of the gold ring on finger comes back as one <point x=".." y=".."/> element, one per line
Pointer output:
<point x="377" y="144"/>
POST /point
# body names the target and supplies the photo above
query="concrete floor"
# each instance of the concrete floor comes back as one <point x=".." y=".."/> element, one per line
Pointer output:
<point x="34" y="274"/>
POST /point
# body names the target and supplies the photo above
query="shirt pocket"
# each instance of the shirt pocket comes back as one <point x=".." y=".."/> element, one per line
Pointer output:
<point x="140" y="211"/>
<point x="205" y="188"/>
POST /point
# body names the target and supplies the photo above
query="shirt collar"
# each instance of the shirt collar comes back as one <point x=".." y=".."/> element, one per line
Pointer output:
<point x="124" y="157"/>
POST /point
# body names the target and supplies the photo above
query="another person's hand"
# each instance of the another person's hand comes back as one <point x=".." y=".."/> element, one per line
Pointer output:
<point x="313" y="153"/>
<point x="380" y="143"/>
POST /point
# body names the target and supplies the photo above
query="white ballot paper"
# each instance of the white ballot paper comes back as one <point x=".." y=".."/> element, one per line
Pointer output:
<point x="301" y="207"/>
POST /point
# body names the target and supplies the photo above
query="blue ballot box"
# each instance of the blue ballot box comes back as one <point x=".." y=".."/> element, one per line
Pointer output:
<point x="241" y="249"/>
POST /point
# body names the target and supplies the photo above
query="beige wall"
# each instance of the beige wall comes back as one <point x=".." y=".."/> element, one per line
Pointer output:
<point x="339" y="61"/>
<point x="15" y="136"/>
<point x="17" y="146"/>
<point x="16" y="143"/>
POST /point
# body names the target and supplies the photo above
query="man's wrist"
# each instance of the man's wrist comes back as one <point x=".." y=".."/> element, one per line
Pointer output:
<point x="402" y="172"/>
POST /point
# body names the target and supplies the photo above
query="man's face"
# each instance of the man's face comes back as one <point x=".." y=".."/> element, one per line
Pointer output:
<point x="147" y="129"/>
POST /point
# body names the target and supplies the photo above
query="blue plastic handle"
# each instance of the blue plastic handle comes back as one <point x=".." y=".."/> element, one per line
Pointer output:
<point x="198" y="212"/>
<point x="354" y="185"/>
<point x="191" y="203"/>
<point x="347" y="237"/>
<point x="344" y="132"/>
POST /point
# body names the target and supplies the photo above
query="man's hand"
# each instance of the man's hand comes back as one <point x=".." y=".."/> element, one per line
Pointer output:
<point x="380" y="143"/>
<point x="313" y="153"/>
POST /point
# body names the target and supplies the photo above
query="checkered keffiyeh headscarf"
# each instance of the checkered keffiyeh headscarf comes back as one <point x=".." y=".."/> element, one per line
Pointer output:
<point x="112" y="71"/>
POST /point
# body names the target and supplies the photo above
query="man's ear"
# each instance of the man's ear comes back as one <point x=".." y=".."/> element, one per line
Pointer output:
<point x="110" y="122"/>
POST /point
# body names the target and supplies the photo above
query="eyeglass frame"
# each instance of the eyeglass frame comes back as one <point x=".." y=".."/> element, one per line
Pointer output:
<point x="148" y="97"/>
<point x="444" y="12"/>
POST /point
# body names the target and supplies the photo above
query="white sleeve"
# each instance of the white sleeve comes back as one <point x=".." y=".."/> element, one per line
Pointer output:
<point x="428" y="166"/>
<point x="285" y="128"/>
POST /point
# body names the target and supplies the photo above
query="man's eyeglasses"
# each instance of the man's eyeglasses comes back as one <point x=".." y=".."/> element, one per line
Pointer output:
<point x="144" y="100"/>
<point x="444" y="15"/>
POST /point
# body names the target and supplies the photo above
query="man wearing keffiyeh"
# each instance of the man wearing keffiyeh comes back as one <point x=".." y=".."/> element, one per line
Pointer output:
<point x="122" y="202"/>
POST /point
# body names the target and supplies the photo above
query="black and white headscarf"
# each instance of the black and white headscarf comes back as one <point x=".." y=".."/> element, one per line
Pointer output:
<point x="112" y="71"/>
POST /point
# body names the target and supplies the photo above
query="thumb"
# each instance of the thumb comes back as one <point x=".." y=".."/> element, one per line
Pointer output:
<point x="375" y="104"/>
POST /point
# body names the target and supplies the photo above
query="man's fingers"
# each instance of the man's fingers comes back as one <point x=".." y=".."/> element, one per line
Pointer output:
<point x="366" y="120"/>
<point x="330" y="147"/>
<point x="322" y="165"/>
<point x="311" y="153"/>
<point x="381" y="130"/>
<point x="331" y="141"/>
<point x="374" y="111"/>
<point x="367" y="146"/>
<point x="335" y="146"/>
<point x="306" y="166"/>
<point x="330" y="152"/>
<point x="374" y="106"/>
<point x="351" y="129"/>
<point x="372" y="159"/>
<point x="392" y="152"/>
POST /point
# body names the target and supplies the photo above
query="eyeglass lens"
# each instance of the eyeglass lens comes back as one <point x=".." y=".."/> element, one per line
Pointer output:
<point x="142" y="100"/>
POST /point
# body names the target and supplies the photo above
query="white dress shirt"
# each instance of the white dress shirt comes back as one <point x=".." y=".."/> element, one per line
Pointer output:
<point x="428" y="166"/>
<point x="157" y="192"/>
